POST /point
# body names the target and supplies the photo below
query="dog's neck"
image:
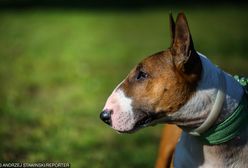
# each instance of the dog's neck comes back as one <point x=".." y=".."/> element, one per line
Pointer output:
<point x="194" y="113"/>
<point x="196" y="110"/>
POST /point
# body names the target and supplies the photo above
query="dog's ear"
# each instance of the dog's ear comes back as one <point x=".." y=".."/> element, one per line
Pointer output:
<point x="185" y="57"/>
<point x="172" y="28"/>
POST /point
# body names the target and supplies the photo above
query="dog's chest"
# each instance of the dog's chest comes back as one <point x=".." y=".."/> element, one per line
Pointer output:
<point x="190" y="153"/>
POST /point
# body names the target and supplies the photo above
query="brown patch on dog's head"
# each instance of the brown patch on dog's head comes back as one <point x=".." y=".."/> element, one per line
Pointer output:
<point x="164" y="82"/>
<point x="169" y="77"/>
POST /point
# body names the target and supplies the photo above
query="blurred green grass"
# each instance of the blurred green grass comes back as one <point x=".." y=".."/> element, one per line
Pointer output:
<point x="57" y="67"/>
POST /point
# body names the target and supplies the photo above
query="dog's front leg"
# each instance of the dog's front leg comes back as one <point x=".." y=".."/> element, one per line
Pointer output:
<point x="169" y="139"/>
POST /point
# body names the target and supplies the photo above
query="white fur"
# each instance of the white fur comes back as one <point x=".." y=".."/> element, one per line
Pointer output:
<point x="199" y="106"/>
<point x="122" y="116"/>
<point x="189" y="151"/>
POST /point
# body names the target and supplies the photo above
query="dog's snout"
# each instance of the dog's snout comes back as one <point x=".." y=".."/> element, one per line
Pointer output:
<point x="106" y="116"/>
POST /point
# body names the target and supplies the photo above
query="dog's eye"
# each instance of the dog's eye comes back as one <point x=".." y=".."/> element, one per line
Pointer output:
<point x="141" y="75"/>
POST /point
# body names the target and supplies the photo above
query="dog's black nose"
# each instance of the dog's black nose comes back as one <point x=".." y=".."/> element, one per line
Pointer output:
<point x="106" y="116"/>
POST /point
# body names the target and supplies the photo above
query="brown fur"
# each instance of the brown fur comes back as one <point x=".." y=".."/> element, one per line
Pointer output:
<point x="165" y="90"/>
<point x="172" y="77"/>
<point x="160" y="85"/>
<point x="169" y="139"/>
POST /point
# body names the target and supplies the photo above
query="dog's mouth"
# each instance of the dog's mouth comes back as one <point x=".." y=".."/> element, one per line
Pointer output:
<point x="147" y="120"/>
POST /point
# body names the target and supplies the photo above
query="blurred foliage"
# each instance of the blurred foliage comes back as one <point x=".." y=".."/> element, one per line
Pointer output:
<point x="57" y="68"/>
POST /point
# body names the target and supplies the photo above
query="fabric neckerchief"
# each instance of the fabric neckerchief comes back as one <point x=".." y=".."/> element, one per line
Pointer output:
<point x="232" y="126"/>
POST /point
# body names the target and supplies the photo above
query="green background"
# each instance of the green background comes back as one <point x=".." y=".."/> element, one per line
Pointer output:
<point x="58" y="66"/>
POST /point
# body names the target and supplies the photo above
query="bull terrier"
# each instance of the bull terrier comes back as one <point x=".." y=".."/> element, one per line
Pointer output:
<point x="181" y="86"/>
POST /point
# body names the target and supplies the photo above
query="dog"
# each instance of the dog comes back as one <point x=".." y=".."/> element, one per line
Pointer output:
<point x="181" y="86"/>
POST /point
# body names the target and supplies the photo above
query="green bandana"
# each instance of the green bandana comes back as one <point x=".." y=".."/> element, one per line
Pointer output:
<point x="232" y="126"/>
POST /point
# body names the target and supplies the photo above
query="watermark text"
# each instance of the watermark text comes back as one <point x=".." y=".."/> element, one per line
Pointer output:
<point x="29" y="165"/>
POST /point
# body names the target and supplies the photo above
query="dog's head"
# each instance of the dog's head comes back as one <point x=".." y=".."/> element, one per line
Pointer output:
<point x="158" y="86"/>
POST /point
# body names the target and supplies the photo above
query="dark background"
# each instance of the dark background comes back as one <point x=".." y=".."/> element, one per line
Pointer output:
<point x="108" y="4"/>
